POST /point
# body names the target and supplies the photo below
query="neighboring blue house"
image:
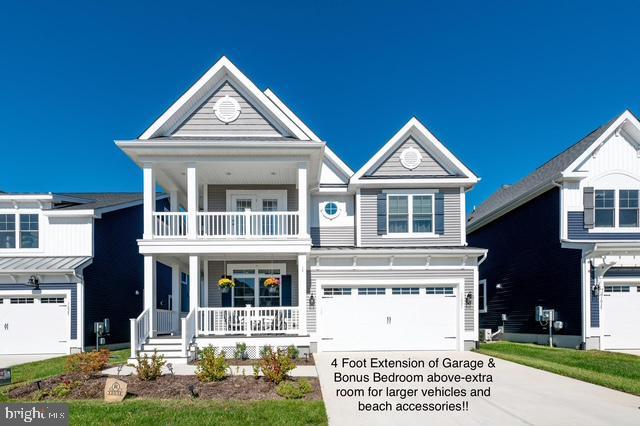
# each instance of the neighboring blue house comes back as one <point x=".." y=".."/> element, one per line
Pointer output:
<point x="67" y="261"/>
<point x="567" y="237"/>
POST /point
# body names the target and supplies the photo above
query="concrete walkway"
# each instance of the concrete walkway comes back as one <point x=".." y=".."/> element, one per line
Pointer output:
<point x="190" y="370"/>
<point x="13" y="360"/>
<point x="519" y="395"/>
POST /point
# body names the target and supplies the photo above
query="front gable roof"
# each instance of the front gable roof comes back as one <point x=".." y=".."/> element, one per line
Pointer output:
<point x="214" y="79"/>
<point x="437" y="163"/>
<point x="563" y="166"/>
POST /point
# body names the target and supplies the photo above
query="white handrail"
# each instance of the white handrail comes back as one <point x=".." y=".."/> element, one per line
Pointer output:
<point x="140" y="331"/>
<point x="248" y="321"/>
<point x="188" y="330"/>
<point x="248" y="224"/>
<point x="170" y="224"/>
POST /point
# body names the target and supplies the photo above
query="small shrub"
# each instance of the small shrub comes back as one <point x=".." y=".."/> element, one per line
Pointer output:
<point x="149" y="368"/>
<point x="276" y="366"/>
<point x="256" y="371"/>
<point x="63" y="389"/>
<point x="88" y="363"/>
<point x="293" y="352"/>
<point x="241" y="351"/>
<point x="212" y="367"/>
<point x="265" y="351"/>
<point x="294" y="390"/>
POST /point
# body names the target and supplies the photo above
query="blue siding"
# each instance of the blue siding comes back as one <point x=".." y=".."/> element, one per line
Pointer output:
<point x="55" y="286"/>
<point x="577" y="231"/>
<point x="528" y="261"/>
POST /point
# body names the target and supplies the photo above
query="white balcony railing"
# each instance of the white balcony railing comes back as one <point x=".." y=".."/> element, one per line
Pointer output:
<point x="169" y="224"/>
<point x="166" y="321"/>
<point x="248" y="321"/>
<point x="248" y="224"/>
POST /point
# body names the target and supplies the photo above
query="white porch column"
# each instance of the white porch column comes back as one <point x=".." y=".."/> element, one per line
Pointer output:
<point x="302" y="292"/>
<point x="175" y="295"/>
<point x="192" y="200"/>
<point x="302" y="198"/>
<point x="149" y="199"/>
<point x="150" y="290"/>
<point x="173" y="200"/>
<point x="194" y="282"/>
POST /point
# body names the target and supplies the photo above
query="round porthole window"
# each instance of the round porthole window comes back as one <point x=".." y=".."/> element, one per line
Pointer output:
<point x="330" y="210"/>
<point x="226" y="109"/>
<point x="410" y="158"/>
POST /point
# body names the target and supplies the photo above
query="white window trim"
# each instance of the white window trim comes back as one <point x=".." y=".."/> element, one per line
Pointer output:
<point x="323" y="204"/>
<point x="256" y="266"/>
<point x="258" y="196"/>
<point x="616" y="228"/>
<point x="410" y="233"/>
<point x="17" y="248"/>
<point x="482" y="309"/>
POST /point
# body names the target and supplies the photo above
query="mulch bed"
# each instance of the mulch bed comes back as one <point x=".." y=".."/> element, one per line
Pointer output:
<point x="166" y="387"/>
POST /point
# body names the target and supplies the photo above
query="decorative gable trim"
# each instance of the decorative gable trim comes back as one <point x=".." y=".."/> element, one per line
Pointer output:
<point x="414" y="128"/>
<point x="212" y="79"/>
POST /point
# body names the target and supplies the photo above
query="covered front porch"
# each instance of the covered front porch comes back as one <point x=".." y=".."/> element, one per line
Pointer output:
<point x="183" y="310"/>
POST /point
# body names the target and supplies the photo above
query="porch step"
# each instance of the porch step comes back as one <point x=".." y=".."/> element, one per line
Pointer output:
<point x="165" y="339"/>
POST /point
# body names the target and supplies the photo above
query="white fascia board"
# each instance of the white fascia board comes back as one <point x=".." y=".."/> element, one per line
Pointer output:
<point x="215" y="73"/>
<point x="363" y="252"/>
<point x="338" y="162"/>
<point x="69" y="213"/>
<point x="221" y="246"/>
<point x="26" y="197"/>
<point x="626" y="116"/>
<point x="414" y="123"/>
<point x="413" y="183"/>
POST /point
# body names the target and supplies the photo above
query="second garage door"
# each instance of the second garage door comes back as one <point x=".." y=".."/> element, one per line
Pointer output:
<point x="621" y="316"/>
<point x="389" y="318"/>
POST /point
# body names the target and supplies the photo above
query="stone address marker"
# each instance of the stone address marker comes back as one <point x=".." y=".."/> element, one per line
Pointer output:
<point x="115" y="390"/>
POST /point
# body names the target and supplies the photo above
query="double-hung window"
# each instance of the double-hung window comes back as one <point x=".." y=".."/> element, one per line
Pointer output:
<point x="605" y="207"/>
<point x="482" y="296"/>
<point x="628" y="214"/>
<point x="29" y="231"/>
<point x="7" y="231"/>
<point x="410" y="213"/>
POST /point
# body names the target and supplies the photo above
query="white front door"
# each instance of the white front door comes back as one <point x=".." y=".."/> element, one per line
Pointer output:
<point x="386" y="318"/>
<point x="32" y="324"/>
<point x="620" y="316"/>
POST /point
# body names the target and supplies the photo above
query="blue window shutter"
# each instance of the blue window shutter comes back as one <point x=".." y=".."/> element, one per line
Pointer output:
<point x="285" y="288"/>
<point x="226" y="297"/>
<point x="382" y="213"/>
<point x="588" y="203"/>
<point x="439" y="209"/>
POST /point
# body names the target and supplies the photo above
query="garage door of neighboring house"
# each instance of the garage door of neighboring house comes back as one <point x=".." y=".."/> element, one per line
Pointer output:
<point x="621" y="316"/>
<point x="389" y="318"/>
<point x="32" y="324"/>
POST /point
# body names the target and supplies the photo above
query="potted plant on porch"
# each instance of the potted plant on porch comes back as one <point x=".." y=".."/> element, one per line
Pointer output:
<point x="272" y="284"/>
<point x="226" y="284"/>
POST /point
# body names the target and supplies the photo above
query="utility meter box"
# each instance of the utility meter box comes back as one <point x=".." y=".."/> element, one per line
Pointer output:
<point x="539" y="314"/>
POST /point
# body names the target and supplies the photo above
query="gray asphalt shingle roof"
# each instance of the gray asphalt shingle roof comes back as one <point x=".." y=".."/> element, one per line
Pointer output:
<point x="541" y="177"/>
<point x="98" y="200"/>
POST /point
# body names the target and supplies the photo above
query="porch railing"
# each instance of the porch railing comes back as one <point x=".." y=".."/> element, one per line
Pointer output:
<point x="169" y="224"/>
<point x="188" y="331"/>
<point x="166" y="321"/>
<point x="140" y="331"/>
<point x="248" y="321"/>
<point x="248" y="224"/>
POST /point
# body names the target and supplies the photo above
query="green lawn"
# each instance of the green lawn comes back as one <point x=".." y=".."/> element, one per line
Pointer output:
<point x="138" y="412"/>
<point x="613" y="370"/>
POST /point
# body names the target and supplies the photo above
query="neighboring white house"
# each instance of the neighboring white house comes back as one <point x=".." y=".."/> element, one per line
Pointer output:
<point x="573" y="245"/>
<point x="67" y="260"/>
<point x="372" y="260"/>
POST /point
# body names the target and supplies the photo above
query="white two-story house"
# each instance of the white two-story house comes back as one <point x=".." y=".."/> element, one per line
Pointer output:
<point x="67" y="261"/>
<point x="567" y="238"/>
<point x="371" y="260"/>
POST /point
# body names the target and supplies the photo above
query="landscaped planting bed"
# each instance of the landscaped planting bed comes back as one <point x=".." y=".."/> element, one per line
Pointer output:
<point x="165" y="387"/>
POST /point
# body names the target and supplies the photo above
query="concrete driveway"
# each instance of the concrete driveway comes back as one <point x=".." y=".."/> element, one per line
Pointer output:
<point x="11" y="360"/>
<point x="518" y="395"/>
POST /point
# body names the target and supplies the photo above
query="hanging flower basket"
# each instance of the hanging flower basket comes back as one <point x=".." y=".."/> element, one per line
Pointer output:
<point x="272" y="284"/>
<point x="226" y="284"/>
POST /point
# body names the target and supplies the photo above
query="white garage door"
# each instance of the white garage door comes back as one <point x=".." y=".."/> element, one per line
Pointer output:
<point x="34" y="325"/>
<point x="376" y="318"/>
<point x="621" y="316"/>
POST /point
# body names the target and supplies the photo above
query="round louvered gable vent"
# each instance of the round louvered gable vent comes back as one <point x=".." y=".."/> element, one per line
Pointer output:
<point x="410" y="158"/>
<point x="227" y="109"/>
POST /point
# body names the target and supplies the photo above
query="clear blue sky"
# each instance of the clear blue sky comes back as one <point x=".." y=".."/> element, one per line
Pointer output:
<point x="505" y="85"/>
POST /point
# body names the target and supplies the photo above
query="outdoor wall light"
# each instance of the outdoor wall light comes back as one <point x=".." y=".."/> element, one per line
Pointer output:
<point x="34" y="282"/>
<point x="468" y="299"/>
<point x="595" y="289"/>
<point x="312" y="301"/>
